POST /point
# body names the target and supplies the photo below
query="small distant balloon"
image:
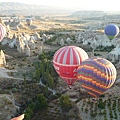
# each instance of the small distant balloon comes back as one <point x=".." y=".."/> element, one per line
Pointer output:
<point x="96" y="75"/>
<point x="111" y="31"/>
<point x="29" y="21"/>
<point x="2" y="32"/>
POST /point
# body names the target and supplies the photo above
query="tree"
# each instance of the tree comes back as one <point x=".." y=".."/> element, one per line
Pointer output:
<point x="42" y="70"/>
<point x="28" y="113"/>
<point x="24" y="76"/>
<point x="101" y="104"/>
<point x="27" y="116"/>
<point x="65" y="103"/>
<point x="37" y="74"/>
<point x="41" y="56"/>
<point x="51" y="83"/>
<point x="50" y="80"/>
<point x="41" y="101"/>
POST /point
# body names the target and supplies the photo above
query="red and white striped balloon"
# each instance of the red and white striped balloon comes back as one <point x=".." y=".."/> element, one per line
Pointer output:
<point x="2" y="32"/>
<point x="66" y="61"/>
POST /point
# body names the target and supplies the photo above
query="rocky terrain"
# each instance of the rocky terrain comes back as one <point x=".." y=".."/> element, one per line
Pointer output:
<point x="20" y="82"/>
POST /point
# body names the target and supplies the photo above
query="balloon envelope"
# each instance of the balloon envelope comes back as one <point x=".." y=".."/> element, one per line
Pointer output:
<point x="29" y="21"/>
<point x="111" y="31"/>
<point x="66" y="61"/>
<point x="2" y="32"/>
<point x="96" y="75"/>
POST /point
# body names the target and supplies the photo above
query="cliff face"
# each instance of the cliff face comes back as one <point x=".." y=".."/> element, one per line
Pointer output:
<point x="2" y="59"/>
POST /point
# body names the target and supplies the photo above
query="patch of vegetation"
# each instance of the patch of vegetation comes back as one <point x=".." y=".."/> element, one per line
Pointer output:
<point x="65" y="103"/>
<point x="105" y="49"/>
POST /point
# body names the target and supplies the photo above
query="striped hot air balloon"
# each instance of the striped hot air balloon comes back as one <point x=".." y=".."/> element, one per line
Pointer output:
<point x="2" y="32"/>
<point x="66" y="61"/>
<point x="96" y="75"/>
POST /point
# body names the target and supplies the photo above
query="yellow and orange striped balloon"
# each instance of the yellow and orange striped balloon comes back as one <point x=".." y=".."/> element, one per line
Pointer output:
<point x="96" y="75"/>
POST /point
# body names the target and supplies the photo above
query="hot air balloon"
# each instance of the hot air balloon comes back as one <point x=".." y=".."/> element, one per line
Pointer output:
<point x="66" y="61"/>
<point x="111" y="31"/>
<point x="96" y="75"/>
<point x="29" y="21"/>
<point x="2" y="32"/>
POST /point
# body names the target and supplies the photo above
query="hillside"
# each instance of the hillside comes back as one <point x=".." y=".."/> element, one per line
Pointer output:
<point x="20" y="8"/>
<point x="85" y="13"/>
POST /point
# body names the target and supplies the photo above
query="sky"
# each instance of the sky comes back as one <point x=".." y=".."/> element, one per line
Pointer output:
<point x="104" y="5"/>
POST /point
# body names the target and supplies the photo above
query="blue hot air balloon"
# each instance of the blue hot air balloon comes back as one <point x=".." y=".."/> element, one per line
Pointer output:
<point x="111" y="31"/>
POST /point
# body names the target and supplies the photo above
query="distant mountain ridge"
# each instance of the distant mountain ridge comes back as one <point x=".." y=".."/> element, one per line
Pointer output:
<point x="20" y="8"/>
<point x="27" y="9"/>
<point x="85" y="13"/>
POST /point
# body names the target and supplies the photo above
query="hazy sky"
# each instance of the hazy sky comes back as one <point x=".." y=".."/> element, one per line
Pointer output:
<point x="105" y="5"/>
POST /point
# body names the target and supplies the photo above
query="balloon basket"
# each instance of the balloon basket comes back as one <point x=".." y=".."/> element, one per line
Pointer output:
<point x="69" y="89"/>
<point x="69" y="86"/>
<point x="94" y="100"/>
